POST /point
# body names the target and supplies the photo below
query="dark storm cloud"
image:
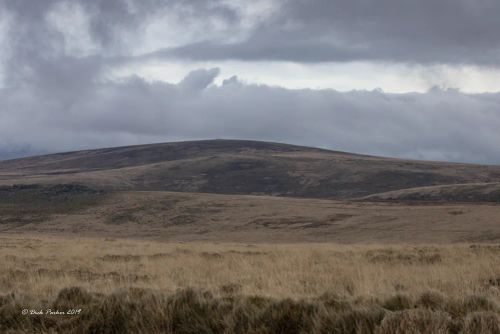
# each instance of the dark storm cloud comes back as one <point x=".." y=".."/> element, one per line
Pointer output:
<point x="114" y="25"/>
<point x="428" y="31"/>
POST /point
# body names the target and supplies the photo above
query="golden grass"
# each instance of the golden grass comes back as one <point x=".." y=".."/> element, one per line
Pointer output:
<point x="41" y="266"/>
<point x="441" y="288"/>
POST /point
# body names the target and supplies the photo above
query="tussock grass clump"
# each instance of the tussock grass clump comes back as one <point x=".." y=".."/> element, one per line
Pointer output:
<point x="460" y="307"/>
<point x="69" y="297"/>
<point x="287" y="316"/>
<point x="398" y="303"/>
<point x="360" y="321"/>
<point x="432" y="300"/>
<point x="130" y="311"/>
<point x="482" y="322"/>
<point x="416" y="321"/>
<point x="192" y="311"/>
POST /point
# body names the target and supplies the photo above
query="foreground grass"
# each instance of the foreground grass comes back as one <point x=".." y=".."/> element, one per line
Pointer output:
<point x="188" y="311"/>
<point x="126" y="286"/>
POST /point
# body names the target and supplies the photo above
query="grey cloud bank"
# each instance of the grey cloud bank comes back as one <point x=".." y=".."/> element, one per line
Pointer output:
<point x="440" y="125"/>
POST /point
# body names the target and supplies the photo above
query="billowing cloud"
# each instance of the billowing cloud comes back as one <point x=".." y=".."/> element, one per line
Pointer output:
<point x="442" y="125"/>
<point x="199" y="79"/>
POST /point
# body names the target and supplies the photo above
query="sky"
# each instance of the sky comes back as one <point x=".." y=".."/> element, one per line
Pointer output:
<point x="408" y="79"/>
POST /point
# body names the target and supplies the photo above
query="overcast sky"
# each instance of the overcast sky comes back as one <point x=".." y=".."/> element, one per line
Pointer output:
<point x="412" y="79"/>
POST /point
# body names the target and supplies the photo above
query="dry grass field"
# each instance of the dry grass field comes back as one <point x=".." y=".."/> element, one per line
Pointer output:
<point x="124" y="285"/>
<point x="169" y="216"/>
<point x="194" y="237"/>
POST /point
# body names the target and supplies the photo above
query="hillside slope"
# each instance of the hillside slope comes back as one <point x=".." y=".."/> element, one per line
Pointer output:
<point x="240" y="167"/>
<point x="472" y="192"/>
<point x="171" y="216"/>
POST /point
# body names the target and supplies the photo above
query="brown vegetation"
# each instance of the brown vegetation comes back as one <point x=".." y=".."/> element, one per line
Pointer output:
<point x="249" y="167"/>
<point x="137" y="286"/>
<point x="75" y="210"/>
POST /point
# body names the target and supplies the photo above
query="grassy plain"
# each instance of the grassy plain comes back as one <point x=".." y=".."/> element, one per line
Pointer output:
<point x="72" y="210"/>
<point x="125" y="285"/>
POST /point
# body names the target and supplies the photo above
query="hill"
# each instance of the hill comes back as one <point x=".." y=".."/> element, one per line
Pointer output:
<point x="240" y="167"/>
